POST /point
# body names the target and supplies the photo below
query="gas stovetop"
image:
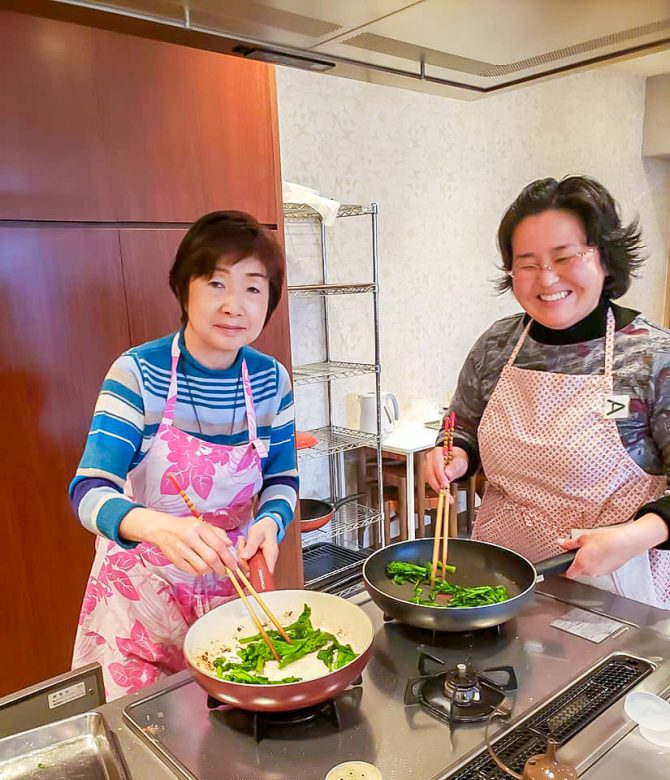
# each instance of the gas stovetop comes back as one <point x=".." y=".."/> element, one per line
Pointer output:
<point x="379" y="722"/>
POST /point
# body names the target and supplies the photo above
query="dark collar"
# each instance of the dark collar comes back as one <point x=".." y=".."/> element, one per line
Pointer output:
<point x="591" y="327"/>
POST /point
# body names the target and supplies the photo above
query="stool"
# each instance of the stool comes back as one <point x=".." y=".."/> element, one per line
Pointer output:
<point x="426" y="499"/>
<point x="394" y="499"/>
<point x="394" y="490"/>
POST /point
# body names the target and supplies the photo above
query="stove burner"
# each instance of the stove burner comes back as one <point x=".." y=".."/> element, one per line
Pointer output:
<point x="261" y="724"/>
<point x="459" y="695"/>
<point x="461" y="685"/>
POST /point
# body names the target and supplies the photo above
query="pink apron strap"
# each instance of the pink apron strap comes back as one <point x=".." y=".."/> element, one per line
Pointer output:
<point x="519" y="344"/>
<point x="168" y="414"/>
<point x="251" y="412"/>
<point x="249" y="401"/>
<point x="609" y="344"/>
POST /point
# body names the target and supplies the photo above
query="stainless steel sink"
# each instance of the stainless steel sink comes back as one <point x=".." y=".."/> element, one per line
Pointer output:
<point x="78" y="748"/>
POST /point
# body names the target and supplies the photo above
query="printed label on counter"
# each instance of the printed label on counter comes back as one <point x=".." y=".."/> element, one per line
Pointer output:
<point x="65" y="695"/>
<point x="588" y="625"/>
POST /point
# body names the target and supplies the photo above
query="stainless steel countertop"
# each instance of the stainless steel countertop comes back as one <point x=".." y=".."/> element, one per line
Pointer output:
<point x="607" y="604"/>
<point x="143" y="763"/>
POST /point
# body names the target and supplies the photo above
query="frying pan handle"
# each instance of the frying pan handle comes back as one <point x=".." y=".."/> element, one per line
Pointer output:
<point x="346" y="500"/>
<point x="259" y="574"/>
<point x="556" y="565"/>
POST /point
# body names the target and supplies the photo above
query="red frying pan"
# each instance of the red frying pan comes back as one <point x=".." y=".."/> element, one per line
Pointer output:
<point x="315" y="513"/>
<point x="219" y="631"/>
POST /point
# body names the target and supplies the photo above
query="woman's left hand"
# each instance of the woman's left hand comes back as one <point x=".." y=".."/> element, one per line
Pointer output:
<point x="603" y="551"/>
<point x="262" y="536"/>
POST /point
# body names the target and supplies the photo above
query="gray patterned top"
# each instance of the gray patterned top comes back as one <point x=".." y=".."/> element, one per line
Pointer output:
<point x="641" y="371"/>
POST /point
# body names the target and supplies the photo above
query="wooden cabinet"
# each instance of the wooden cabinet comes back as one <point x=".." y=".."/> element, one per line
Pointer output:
<point x="112" y="127"/>
<point x="63" y="323"/>
<point x="149" y="132"/>
<point x="234" y="105"/>
<point x="53" y="163"/>
<point x="187" y="131"/>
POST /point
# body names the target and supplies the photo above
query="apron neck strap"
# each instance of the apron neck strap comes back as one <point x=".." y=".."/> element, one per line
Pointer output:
<point x="249" y="402"/>
<point x="519" y="344"/>
<point x="168" y="414"/>
<point x="609" y="343"/>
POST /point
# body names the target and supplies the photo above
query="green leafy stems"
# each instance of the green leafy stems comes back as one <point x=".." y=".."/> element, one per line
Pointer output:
<point x="419" y="575"/>
<point x="254" y="653"/>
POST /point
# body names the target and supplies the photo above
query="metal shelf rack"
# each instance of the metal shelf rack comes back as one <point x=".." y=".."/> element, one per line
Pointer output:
<point x="344" y="530"/>
<point x="309" y="373"/>
<point x="301" y="211"/>
<point x="304" y="290"/>
<point x="334" y="440"/>
<point x="347" y="518"/>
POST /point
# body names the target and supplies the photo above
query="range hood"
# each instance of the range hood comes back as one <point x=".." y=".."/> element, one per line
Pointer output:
<point x="460" y="48"/>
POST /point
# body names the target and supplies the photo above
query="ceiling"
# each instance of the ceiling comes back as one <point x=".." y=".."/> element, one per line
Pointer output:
<point x="460" y="48"/>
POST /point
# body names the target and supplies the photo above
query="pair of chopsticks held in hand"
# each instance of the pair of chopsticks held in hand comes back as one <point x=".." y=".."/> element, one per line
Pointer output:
<point x="233" y="576"/>
<point x="443" y="504"/>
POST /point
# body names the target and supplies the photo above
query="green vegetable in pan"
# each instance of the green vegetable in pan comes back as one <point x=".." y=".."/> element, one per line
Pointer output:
<point x="254" y="653"/>
<point x="240" y="676"/>
<point x="335" y="656"/>
<point x="443" y="593"/>
<point x="401" y="571"/>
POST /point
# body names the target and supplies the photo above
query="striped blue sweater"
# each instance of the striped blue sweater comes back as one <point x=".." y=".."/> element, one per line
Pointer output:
<point x="131" y="405"/>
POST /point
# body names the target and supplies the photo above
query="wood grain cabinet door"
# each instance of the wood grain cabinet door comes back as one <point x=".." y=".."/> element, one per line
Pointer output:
<point x="149" y="133"/>
<point x="187" y="131"/>
<point x="63" y="323"/>
<point x="52" y="158"/>
<point x="234" y="103"/>
<point x="147" y="257"/>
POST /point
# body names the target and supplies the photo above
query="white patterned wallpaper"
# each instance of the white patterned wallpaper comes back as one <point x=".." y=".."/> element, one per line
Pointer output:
<point x="443" y="172"/>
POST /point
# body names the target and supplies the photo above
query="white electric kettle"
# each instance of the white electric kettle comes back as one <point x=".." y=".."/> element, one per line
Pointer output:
<point x="390" y="412"/>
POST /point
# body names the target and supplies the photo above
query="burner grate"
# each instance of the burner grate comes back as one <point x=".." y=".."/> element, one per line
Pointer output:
<point x="562" y="718"/>
<point x="458" y="695"/>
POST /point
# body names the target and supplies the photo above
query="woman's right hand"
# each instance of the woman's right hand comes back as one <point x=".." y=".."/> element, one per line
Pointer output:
<point x="439" y="477"/>
<point x="190" y="544"/>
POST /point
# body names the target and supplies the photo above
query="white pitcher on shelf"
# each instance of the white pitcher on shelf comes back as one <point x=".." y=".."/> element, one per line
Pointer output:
<point x="368" y="418"/>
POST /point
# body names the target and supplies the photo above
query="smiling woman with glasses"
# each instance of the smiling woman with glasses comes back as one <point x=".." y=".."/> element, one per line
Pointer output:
<point x="566" y="406"/>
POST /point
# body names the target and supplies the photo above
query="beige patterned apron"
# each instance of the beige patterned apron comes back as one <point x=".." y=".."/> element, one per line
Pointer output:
<point x="556" y="467"/>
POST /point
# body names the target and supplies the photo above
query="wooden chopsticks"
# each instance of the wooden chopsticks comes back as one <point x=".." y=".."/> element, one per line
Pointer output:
<point x="443" y="504"/>
<point x="240" y="592"/>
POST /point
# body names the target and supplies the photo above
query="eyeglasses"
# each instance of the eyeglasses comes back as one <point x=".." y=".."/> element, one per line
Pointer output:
<point x="558" y="265"/>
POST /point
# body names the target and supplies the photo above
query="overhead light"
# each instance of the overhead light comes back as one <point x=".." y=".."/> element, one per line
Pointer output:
<point x="280" y="58"/>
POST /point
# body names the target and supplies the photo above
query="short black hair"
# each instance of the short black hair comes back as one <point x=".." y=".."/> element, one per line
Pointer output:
<point x="228" y="236"/>
<point x="620" y="246"/>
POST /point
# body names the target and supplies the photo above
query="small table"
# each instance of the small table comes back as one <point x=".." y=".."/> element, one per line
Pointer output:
<point x="408" y="439"/>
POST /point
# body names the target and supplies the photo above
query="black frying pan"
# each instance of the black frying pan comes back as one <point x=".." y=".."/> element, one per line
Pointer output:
<point x="477" y="563"/>
<point x="315" y="513"/>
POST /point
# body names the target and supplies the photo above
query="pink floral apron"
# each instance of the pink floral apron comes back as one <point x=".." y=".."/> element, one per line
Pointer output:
<point x="137" y="605"/>
<point x="556" y="467"/>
